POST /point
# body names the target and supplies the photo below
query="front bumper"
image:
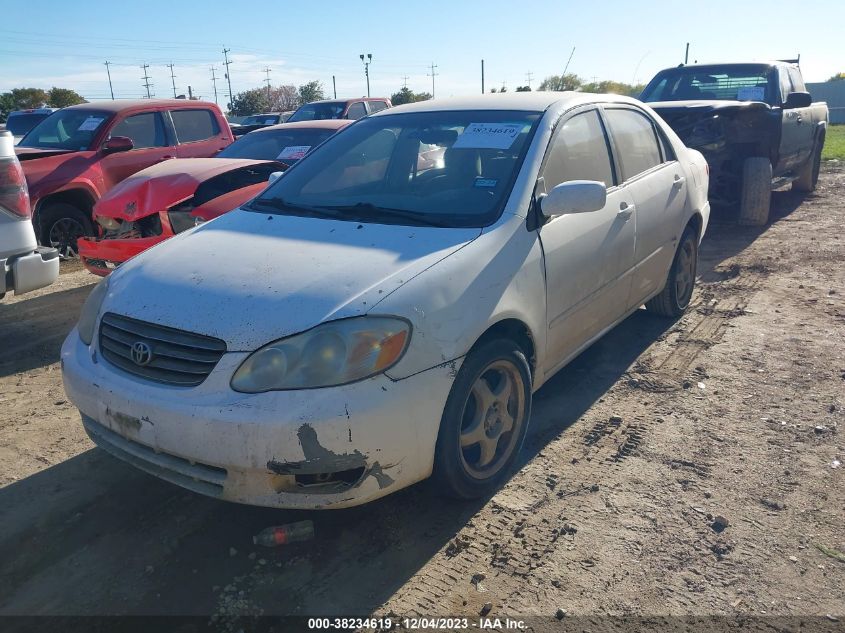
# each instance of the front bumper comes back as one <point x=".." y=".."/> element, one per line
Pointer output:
<point x="30" y="271"/>
<point x="103" y="256"/>
<point x="279" y="449"/>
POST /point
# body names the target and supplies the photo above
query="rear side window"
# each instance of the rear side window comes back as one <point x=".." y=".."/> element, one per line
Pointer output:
<point x="797" y="81"/>
<point x="636" y="141"/>
<point x="375" y="106"/>
<point x="579" y="152"/>
<point x="356" y="111"/>
<point x="194" y="125"/>
<point x="145" y="130"/>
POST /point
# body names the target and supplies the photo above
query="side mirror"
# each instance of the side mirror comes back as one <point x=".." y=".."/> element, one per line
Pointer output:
<point x="798" y="100"/>
<point x="575" y="196"/>
<point x="274" y="176"/>
<point x="118" y="144"/>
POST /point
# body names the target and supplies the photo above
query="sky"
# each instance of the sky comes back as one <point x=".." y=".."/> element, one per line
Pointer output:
<point x="60" y="43"/>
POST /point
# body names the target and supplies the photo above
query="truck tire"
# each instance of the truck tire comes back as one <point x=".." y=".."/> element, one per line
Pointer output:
<point x="808" y="177"/>
<point x="61" y="224"/>
<point x="756" y="196"/>
<point x="673" y="300"/>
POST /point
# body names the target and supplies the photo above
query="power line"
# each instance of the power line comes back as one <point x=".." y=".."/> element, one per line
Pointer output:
<point x="172" y="78"/>
<point x="146" y="79"/>
<point x="433" y="74"/>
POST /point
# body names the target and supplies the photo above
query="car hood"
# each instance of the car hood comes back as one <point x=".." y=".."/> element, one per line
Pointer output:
<point x="161" y="186"/>
<point x="250" y="278"/>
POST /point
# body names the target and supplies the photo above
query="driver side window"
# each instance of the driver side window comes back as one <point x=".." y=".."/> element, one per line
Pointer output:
<point x="146" y="130"/>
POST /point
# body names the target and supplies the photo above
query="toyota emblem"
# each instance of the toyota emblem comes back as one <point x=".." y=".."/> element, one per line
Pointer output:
<point x="142" y="353"/>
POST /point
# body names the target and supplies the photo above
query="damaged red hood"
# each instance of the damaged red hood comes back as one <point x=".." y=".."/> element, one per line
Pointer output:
<point x="161" y="186"/>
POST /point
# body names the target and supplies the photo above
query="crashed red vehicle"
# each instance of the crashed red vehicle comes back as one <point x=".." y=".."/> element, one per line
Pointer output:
<point x="170" y="197"/>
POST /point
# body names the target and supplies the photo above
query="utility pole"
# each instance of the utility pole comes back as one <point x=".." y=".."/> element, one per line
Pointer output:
<point x="267" y="70"/>
<point x="146" y="79"/>
<point x="214" y="83"/>
<point x="334" y="86"/>
<point x="228" y="76"/>
<point x="528" y="76"/>
<point x="405" y="84"/>
<point x="367" y="68"/>
<point x="172" y="78"/>
<point x="482" y="76"/>
<point x="433" y="74"/>
<point x="111" y="90"/>
<point x="686" y="55"/>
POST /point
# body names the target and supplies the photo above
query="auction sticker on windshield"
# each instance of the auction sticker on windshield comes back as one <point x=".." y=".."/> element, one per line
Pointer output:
<point x="89" y="124"/>
<point x="488" y="136"/>
<point x="294" y="152"/>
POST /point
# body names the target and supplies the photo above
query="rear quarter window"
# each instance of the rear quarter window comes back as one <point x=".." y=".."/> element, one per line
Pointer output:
<point x="194" y="125"/>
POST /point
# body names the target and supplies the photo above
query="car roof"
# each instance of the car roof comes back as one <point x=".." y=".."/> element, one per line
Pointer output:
<point x="522" y="101"/>
<point x="323" y="124"/>
<point x="131" y="104"/>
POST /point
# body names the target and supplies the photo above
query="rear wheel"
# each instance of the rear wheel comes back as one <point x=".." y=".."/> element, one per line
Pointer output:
<point x="756" y="196"/>
<point x="485" y="420"/>
<point x="62" y="225"/>
<point x="808" y="178"/>
<point x="676" y="295"/>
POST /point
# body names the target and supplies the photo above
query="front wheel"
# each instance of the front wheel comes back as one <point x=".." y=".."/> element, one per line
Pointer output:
<point x="484" y="422"/>
<point x="61" y="227"/>
<point x="677" y="293"/>
<point x="756" y="196"/>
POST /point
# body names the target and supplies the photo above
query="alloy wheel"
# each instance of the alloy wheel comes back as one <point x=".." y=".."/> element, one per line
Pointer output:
<point x="63" y="236"/>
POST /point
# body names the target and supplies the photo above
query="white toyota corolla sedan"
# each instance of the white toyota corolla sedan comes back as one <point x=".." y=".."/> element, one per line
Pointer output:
<point x="376" y="317"/>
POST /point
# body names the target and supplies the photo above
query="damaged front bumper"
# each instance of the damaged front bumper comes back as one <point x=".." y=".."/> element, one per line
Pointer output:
<point x="308" y="449"/>
<point x="101" y="256"/>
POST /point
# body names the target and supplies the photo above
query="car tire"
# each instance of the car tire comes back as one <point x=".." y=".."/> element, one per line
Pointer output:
<point x="490" y="401"/>
<point x="61" y="224"/>
<point x="808" y="177"/>
<point x="756" y="197"/>
<point x="675" y="297"/>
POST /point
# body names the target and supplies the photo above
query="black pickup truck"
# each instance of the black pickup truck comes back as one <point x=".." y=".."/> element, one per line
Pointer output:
<point x="755" y="123"/>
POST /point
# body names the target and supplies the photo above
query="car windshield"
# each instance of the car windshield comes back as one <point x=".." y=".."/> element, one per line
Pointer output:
<point x="20" y="124"/>
<point x="420" y="168"/>
<point x="66" y="129"/>
<point x="261" y="119"/>
<point x="318" y="111"/>
<point x="737" y="83"/>
<point x="287" y="146"/>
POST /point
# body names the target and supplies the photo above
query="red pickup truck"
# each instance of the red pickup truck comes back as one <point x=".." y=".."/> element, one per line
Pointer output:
<point x="76" y="154"/>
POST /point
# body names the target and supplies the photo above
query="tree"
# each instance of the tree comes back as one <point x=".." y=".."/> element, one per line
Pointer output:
<point x="63" y="97"/>
<point x="7" y="105"/>
<point x="558" y="83"/>
<point x="26" y="98"/>
<point x="406" y="95"/>
<point x="284" y="98"/>
<point x="523" y="88"/>
<point x="838" y="77"/>
<point x="250" y="102"/>
<point x="613" y="87"/>
<point x="312" y="91"/>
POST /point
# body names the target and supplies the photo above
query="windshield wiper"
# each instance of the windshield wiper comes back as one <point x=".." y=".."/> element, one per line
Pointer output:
<point x="372" y="210"/>
<point x="280" y="205"/>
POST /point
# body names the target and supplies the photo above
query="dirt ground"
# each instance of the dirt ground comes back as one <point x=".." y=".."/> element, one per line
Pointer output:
<point x="675" y="468"/>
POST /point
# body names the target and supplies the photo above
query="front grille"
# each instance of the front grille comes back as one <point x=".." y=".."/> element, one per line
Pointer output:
<point x="178" y="357"/>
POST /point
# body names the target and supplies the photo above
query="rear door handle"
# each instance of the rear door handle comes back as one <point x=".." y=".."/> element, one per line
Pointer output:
<point x="625" y="210"/>
<point x="800" y="119"/>
<point x="679" y="180"/>
<point x="164" y="158"/>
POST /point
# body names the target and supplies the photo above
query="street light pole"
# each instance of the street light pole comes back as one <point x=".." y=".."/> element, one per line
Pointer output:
<point x="367" y="63"/>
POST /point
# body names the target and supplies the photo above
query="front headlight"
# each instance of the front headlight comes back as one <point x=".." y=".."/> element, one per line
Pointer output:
<point x="331" y="354"/>
<point x="90" y="310"/>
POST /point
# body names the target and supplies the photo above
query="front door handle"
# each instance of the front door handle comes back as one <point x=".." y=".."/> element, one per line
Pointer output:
<point x="625" y="210"/>
<point x="679" y="180"/>
<point x="164" y="158"/>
